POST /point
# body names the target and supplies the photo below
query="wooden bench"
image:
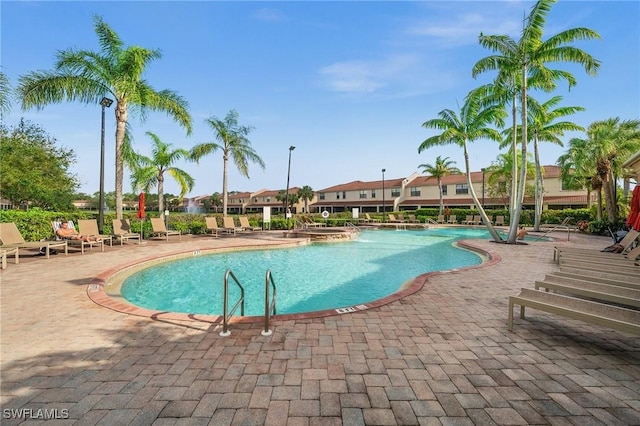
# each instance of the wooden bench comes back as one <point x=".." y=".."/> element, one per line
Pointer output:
<point x="614" y="317"/>
<point x="595" y="291"/>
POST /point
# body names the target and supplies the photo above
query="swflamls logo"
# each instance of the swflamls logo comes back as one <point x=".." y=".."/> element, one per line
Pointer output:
<point x="35" y="414"/>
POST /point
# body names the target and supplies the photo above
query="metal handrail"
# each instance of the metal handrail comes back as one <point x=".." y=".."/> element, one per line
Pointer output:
<point x="269" y="307"/>
<point x="431" y="221"/>
<point x="352" y="226"/>
<point x="226" y="314"/>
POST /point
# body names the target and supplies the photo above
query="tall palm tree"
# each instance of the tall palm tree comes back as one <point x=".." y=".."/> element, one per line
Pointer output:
<point x="500" y="173"/>
<point x="441" y="168"/>
<point x="116" y="72"/>
<point x="234" y="144"/>
<point x="531" y="54"/>
<point x="472" y="124"/>
<point x="543" y="127"/>
<point x="306" y="194"/>
<point x="147" y="172"/>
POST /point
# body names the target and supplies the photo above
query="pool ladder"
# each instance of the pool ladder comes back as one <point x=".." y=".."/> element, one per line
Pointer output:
<point x="269" y="305"/>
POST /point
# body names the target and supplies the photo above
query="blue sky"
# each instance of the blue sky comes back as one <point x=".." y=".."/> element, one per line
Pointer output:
<point x="349" y="83"/>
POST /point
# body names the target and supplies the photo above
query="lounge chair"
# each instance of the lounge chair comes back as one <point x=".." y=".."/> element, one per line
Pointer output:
<point x="393" y="219"/>
<point x="468" y="220"/>
<point x="244" y="223"/>
<point x="452" y="219"/>
<point x="476" y="220"/>
<point x="441" y="219"/>
<point x="4" y="252"/>
<point x="308" y="222"/>
<point x="413" y="219"/>
<point x="368" y="217"/>
<point x="229" y="225"/>
<point x="12" y="238"/>
<point x="212" y="225"/>
<point x="76" y="242"/>
<point x="499" y="221"/>
<point x="159" y="228"/>
<point x="122" y="231"/>
<point x="90" y="227"/>
<point x="626" y="244"/>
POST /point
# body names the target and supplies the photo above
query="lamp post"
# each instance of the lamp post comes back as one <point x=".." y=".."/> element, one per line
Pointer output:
<point x="483" y="169"/>
<point x="286" y="197"/>
<point x="106" y="103"/>
<point x="383" y="200"/>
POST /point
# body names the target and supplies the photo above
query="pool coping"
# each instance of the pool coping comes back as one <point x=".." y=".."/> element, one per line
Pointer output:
<point x="97" y="293"/>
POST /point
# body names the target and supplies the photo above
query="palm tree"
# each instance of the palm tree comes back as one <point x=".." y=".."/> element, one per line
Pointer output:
<point x="5" y="94"/>
<point x="234" y="144"/>
<point x="543" y="127"/>
<point x="115" y="71"/>
<point x="500" y="172"/>
<point x="306" y="194"/>
<point x="608" y="142"/>
<point x="531" y="54"/>
<point x="472" y="124"/>
<point x="442" y="167"/>
<point x="147" y="172"/>
<point x="577" y="171"/>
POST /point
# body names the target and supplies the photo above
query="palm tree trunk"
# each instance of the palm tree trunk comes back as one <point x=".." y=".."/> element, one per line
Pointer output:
<point x="610" y="198"/>
<point x="225" y="166"/>
<point x="441" y="199"/>
<point x="517" y="207"/>
<point x="161" y="196"/>
<point x="483" y="214"/>
<point x="539" y="187"/>
<point x="121" y="125"/>
<point x="514" y="147"/>
<point x="599" y="204"/>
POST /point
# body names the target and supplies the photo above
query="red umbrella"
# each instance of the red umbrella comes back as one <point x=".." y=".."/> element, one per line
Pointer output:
<point x="140" y="214"/>
<point x="633" y="220"/>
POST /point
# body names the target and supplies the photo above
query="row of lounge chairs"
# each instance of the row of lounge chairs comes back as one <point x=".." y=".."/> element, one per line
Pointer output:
<point x="469" y="220"/>
<point x="13" y="241"/>
<point x="597" y="287"/>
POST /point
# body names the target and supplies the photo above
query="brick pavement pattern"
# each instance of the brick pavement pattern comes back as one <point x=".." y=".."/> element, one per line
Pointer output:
<point x="441" y="356"/>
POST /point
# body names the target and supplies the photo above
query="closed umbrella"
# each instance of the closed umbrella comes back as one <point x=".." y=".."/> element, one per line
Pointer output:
<point x="140" y="214"/>
<point x="633" y="220"/>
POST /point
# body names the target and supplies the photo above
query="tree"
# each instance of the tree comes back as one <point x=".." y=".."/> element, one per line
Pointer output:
<point x="306" y="194"/>
<point x="442" y="167"/>
<point x="35" y="171"/>
<point x="5" y="94"/>
<point x="472" y="124"/>
<point x="292" y="200"/>
<point x="577" y="171"/>
<point x="147" y="172"/>
<point x="609" y="142"/>
<point x="543" y="127"/>
<point x="115" y="71"/>
<point x="234" y="144"/>
<point x="531" y="54"/>
<point x="500" y="178"/>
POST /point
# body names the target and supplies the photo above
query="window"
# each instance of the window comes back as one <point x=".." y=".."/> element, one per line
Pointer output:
<point x="363" y="194"/>
<point x="337" y="195"/>
<point x="415" y="192"/>
<point x="321" y="196"/>
<point x="462" y="188"/>
<point x="344" y="195"/>
<point x="395" y="192"/>
<point x="444" y="189"/>
<point x="373" y="193"/>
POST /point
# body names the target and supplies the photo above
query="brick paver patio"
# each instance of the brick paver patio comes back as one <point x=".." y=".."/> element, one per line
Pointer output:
<point x="441" y="356"/>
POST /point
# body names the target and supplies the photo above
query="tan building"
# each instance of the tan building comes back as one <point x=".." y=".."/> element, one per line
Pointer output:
<point x="410" y="193"/>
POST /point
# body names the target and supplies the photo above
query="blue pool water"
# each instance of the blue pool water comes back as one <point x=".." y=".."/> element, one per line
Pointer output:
<point x="309" y="278"/>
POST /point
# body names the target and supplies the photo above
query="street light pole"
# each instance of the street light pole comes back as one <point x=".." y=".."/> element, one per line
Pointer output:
<point x="483" y="169"/>
<point x="105" y="103"/>
<point x="383" y="200"/>
<point x="286" y="197"/>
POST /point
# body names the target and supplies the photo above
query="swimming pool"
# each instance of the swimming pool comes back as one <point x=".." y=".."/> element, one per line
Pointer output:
<point x="310" y="278"/>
